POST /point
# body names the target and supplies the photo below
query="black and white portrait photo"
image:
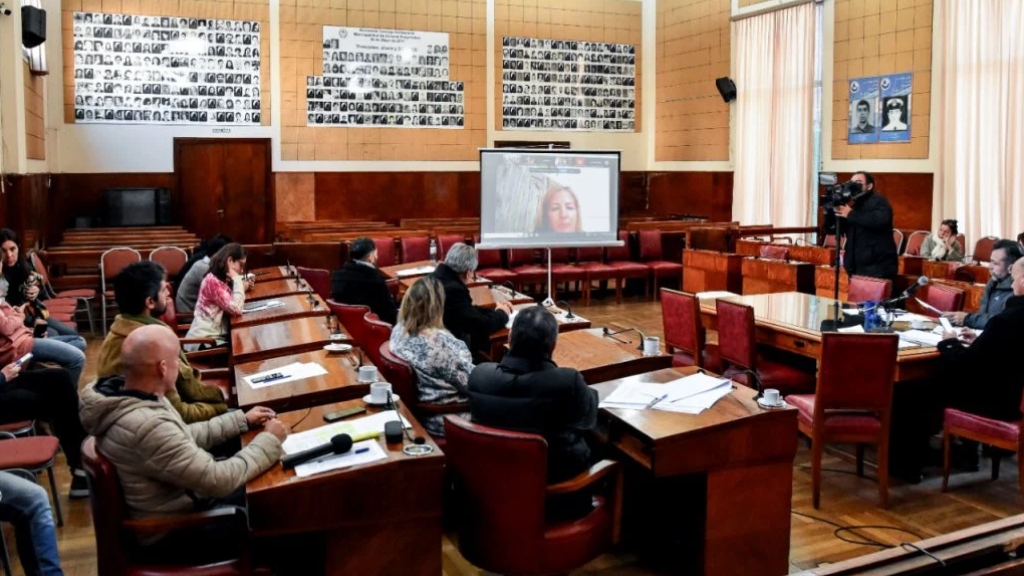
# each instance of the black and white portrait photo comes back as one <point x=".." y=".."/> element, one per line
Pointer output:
<point x="894" y="114"/>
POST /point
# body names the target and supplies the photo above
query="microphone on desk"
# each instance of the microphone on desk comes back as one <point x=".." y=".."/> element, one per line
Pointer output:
<point x="758" y="385"/>
<point x="511" y="287"/>
<point x="609" y="334"/>
<point x="339" y="444"/>
<point x="922" y="281"/>
<point x="568" y="309"/>
<point x="393" y="430"/>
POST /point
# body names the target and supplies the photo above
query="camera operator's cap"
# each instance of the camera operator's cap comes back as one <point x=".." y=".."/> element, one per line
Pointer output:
<point x="894" y="103"/>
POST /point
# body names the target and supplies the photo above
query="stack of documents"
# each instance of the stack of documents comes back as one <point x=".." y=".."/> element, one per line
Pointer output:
<point x="419" y="271"/>
<point x="715" y="295"/>
<point x="362" y="452"/>
<point x="261" y="305"/>
<point x="289" y="373"/>
<point x="921" y="337"/>
<point x="689" y="395"/>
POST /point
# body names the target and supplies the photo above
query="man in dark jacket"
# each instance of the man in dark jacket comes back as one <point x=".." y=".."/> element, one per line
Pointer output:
<point x="998" y="290"/>
<point x="471" y="324"/>
<point x="360" y="283"/>
<point x="867" y="224"/>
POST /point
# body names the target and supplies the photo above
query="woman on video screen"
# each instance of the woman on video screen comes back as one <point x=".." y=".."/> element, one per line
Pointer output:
<point x="558" y="211"/>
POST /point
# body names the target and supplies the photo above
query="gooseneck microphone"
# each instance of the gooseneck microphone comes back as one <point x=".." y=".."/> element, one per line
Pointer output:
<point x="340" y="443"/>
<point x="568" y="309"/>
<point x="511" y="287"/>
<point x="758" y="385"/>
<point x="922" y="281"/>
<point x="609" y="334"/>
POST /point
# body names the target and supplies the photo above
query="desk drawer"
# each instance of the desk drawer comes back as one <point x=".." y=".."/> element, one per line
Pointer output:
<point x="790" y="343"/>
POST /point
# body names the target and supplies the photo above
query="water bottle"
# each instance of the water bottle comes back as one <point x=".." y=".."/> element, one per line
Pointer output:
<point x="433" y="251"/>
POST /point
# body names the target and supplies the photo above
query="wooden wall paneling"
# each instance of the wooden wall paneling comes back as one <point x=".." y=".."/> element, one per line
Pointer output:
<point x="392" y="196"/>
<point x="35" y="115"/>
<point x="698" y="193"/>
<point x="910" y="195"/>
<point x="27" y="209"/>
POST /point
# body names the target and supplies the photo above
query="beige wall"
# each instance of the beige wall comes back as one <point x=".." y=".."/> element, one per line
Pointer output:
<point x="35" y="116"/>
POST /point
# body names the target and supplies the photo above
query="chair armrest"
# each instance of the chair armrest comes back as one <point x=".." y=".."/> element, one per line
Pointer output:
<point x="209" y="341"/>
<point x="157" y="525"/>
<point x="443" y="408"/>
<point x="584" y="479"/>
<point x="215" y="373"/>
<point x="184" y="317"/>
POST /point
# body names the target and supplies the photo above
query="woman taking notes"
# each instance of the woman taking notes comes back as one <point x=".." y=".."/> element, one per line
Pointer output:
<point x="222" y="292"/>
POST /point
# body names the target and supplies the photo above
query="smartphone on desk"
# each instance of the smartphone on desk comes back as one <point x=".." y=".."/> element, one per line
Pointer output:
<point x="342" y="414"/>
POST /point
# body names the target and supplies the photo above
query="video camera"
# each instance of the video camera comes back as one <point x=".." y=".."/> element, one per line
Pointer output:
<point x="838" y="194"/>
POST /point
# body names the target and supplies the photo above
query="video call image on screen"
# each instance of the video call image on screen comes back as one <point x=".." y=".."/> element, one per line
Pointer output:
<point x="548" y="198"/>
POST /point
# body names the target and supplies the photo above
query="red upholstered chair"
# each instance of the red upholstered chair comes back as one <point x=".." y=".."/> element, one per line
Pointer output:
<point x="619" y="259"/>
<point x="830" y="241"/>
<point x="897" y="237"/>
<point x="83" y="296"/>
<point x="853" y="402"/>
<point x="377" y="334"/>
<point x="415" y="248"/>
<point x="523" y="262"/>
<point x="116" y="551"/>
<point x="403" y="378"/>
<point x="562" y="270"/>
<point x="500" y="490"/>
<point x="651" y="256"/>
<point x="944" y="298"/>
<point x="445" y="241"/>
<point x="866" y="289"/>
<point x="983" y="249"/>
<point x="318" y="279"/>
<point x="737" y="348"/>
<point x="351" y="319"/>
<point x="111" y="263"/>
<point x="33" y="454"/>
<point x="684" y="334"/>
<point x="591" y="262"/>
<point x="914" y="242"/>
<point x="998" y="433"/>
<point x="489" y="266"/>
<point x="774" y="252"/>
<point x="387" y="255"/>
<point x="171" y="258"/>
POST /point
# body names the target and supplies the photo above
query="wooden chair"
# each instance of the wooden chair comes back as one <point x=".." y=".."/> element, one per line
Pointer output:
<point x="351" y="318"/>
<point x="997" y="433"/>
<point x="866" y="289"/>
<point x="403" y="378"/>
<point x="501" y="491"/>
<point x="625" y="268"/>
<point x="111" y="263"/>
<point x="914" y="243"/>
<point x="415" y="248"/>
<point x="943" y="298"/>
<point x="983" y="249"/>
<point x="386" y="253"/>
<point x="83" y="296"/>
<point x="853" y="402"/>
<point x="378" y="333"/>
<point x="774" y="252"/>
<point x="684" y="334"/>
<point x="897" y="237"/>
<point x="117" y="553"/>
<point x="171" y="258"/>
<point x="319" y="279"/>
<point x="737" y="347"/>
<point x="33" y="454"/>
<point x="489" y="266"/>
<point x="562" y="271"/>
<point x="523" y="263"/>
<point x="652" y="256"/>
<point x="445" y="242"/>
<point x="591" y="262"/>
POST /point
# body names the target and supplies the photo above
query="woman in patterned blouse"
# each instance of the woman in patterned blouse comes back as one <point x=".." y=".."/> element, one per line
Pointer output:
<point x="442" y="362"/>
<point x="221" y="295"/>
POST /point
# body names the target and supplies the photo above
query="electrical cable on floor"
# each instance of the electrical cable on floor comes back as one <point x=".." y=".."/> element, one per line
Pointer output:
<point x="838" y="471"/>
<point x="906" y="545"/>
<point x="865" y="540"/>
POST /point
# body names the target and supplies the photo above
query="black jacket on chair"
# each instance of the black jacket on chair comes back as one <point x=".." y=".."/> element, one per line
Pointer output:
<point x="870" y="249"/>
<point x="471" y="324"/>
<point x="362" y="285"/>
<point x="983" y="377"/>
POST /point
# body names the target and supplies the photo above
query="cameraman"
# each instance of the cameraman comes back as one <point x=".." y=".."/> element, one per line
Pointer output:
<point x="866" y="221"/>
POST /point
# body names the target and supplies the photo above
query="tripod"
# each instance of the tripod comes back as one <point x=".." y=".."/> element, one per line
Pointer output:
<point x="835" y="323"/>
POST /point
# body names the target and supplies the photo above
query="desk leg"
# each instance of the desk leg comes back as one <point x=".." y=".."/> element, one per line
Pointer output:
<point x="410" y="548"/>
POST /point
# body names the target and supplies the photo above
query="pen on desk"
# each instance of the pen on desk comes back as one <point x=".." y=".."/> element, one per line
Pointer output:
<point x="656" y="400"/>
<point x="268" y="378"/>
<point x="362" y="450"/>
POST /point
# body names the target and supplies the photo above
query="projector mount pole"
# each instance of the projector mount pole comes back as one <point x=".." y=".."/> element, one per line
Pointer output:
<point x="551" y="296"/>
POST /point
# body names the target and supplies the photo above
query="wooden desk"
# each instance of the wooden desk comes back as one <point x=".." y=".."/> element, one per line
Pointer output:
<point x="295" y="306"/>
<point x="973" y="273"/>
<point x="392" y="271"/>
<point x="488" y="296"/>
<point x="936" y="270"/>
<point x="274" y="289"/>
<point x="270" y="273"/>
<point x="340" y="383"/>
<point x="500" y="338"/>
<point x="792" y="322"/>
<point x="282" y="339"/>
<point x="767" y="276"/>
<point x="749" y="247"/>
<point x="825" y="282"/>
<point x="600" y="358"/>
<point x="380" y="518"/>
<point x="817" y="255"/>
<point x="724" y="478"/>
<point x="707" y="271"/>
<point x="910" y="265"/>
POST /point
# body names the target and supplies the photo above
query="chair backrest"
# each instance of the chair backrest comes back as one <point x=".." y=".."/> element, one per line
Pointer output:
<point x="445" y="242"/>
<point x="500" y="482"/>
<point x="378" y="333"/>
<point x="983" y="248"/>
<point x="591" y="254"/>
<point x="386" y="253"/>
<point x="415" y="248"/>
<point x="680" y="317"/>
<point x="846" y="381"/>
<point x="558" y="256"/>
<point x="109" y="510"/>
<point x="318" y="279"/>
<point x="774" y="252"/>
<point x="830" y="241"/>
<point x="171" y="258"/>
<point x="619" y="253"/>
<point x="914" y="242"/>
<point x="521" y="257"/>
<point x="736" y="338"/>
<point x="40" y="267"/>
<point x="351" y="317"/>
<point x="116" y="259"/>
<point x="944" y="298"/>
<point x="650" y="245"/>
<point x="399" y="373"/>
<point x="897" y="237"/>
<point x="866" y="289"/>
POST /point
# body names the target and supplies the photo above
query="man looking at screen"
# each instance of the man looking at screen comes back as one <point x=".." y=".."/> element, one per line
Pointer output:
<point x="470" y="323"/>
<point x="558" y="211"/>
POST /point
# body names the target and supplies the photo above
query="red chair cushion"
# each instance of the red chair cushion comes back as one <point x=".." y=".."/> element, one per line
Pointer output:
<point x="31" y="452"/>
<point x="80" y="293"/>
<point x="597" y="271"/>
<point x="15" y="427"/>
<point x="566" y="272"/>
<point x="996" y="429"/>
<point x="838" y="423"/>
<point x="497" y="275"/>
<point x="531" y="273"/>
<point x="630" y="269"/>
<point x="712" y="361"/>
<point x="569" y="545"/>
<point x="661" y="268"/>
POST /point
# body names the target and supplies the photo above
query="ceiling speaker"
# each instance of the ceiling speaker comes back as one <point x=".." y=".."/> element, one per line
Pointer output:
<point x="33" y="26"/>
<point x="727" y="88"/>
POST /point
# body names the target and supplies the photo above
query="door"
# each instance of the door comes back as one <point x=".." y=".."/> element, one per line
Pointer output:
<point x="223" y="186"/>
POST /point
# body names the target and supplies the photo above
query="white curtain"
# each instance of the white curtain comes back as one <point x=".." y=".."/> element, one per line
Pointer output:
<point x="980" y="174"/>
<point x="773" y="181"/>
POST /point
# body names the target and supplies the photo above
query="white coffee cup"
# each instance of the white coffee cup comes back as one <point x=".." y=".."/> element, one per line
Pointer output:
<point x="651" y="345"/>
<point x="367" y="373"/>
<point x="379" y="392"/>
<point x="771" y="397"/>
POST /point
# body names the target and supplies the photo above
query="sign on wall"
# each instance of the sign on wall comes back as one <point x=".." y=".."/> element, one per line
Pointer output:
<point x="132" y="69"/>
<point x="880" y="109"/>
<point x="384" y="78"/>
<point x="567" y="85"/>
<point x="895" y="123"/>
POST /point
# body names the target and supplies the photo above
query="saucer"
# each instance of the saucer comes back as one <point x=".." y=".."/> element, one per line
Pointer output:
<point x="338" y="347"/>
<point x="337" y="337"/>
<point x="761" y="402"/>
<point x="370" y="401"/>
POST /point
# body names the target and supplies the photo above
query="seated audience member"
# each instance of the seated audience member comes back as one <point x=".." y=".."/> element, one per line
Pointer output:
<point x="471" y="324"/>
<point x="25" y="285"/>
<point x="16" y="340"/>
<point x="141" y="291"/>
<point x="943" y="246"/>
<point x="527" y="392"/>
<point x="163" y="463"/>
<point x="26" y="505"/>
<point x="998" y="290"/>
<point x="51" y="396"/>
<point x="360" y="283"/>
<point x="222" y="292"/>
<point x="186" y="285"/>
<point x="442" y="362"/>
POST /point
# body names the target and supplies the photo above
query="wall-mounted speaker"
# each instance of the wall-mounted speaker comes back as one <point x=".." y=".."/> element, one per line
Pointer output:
<point x="727" y="88"/>
<point x="33" y="26"/>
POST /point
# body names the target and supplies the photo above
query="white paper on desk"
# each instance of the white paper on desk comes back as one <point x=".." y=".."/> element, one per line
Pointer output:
<point x="851" y="311"/>
<point x="928" y="306"/>
<point x="638" y="395"/>
<point x="921" y="337"/>
<point x="322" y="434"/>
<point x="291" y="372"/>
<point x="350" y="458"/>
<point x="420" y="271"/>
<point x="698" y="402"/>
<point x="715" y="294"/>
<point x="858" y="329"/>
<point x="910" y="317"/>
<point x="907" y="344"/>
<point x="261" y="305"/>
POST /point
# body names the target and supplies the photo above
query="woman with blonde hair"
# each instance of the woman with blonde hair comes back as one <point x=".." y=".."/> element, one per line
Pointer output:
<point x="559" y="211"/>
<point x="441" y="361"/>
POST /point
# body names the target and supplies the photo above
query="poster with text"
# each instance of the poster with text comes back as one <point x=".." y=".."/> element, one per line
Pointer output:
<point x="863" y="111"/>
<point x="896" y="89"/>
<point x="567" y="85"/>
<point x="384" y="78"/>
<point x="131" y="69"/>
